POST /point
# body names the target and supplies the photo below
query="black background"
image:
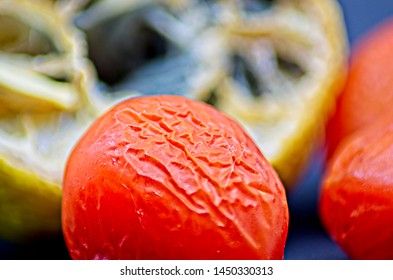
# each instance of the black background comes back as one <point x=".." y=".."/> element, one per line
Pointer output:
<point x="307" y="239"/>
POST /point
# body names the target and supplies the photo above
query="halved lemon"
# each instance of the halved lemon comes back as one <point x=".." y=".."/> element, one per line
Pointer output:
<point x="45" y="107"/>
<point x="287" y="64"/>
<point x="33" y="150"/>
<point x="275" y="66"/>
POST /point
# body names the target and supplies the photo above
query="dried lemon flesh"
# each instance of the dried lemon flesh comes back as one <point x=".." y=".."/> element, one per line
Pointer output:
<point x="297" y="52"/>
<point x="275" y="66"/>
<point x="38" y="55"/>
<point x="45" y="107"/>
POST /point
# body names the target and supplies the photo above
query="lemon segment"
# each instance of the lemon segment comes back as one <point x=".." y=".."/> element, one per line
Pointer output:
<point x="38" y="65"/>
<point x="22" y="90"/>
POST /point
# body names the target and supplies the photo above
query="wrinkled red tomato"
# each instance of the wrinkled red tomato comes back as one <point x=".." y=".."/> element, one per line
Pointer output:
<point x="368" y="93"/>
<point x="164" y="177"/>
<point x="356" y="204"/>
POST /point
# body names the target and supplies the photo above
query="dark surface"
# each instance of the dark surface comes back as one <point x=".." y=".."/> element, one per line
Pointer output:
<point x="307" y="239"/>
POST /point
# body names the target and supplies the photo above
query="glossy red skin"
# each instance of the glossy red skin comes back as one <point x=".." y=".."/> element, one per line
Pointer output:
<point x="165" y="177"/>
<point x="356" y="204"/>
<point x="368" y="92"/>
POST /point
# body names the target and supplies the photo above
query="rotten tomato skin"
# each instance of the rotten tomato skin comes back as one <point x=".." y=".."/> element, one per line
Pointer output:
<point x="165" y="177"/>
<point x="368" y="92"/>
<point x="356" y="201"/>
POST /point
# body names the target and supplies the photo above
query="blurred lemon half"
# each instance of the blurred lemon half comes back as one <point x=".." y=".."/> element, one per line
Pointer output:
<point x="275" y="66"/>
<point x="286" y="64"/>
<point x="45" y="107"/>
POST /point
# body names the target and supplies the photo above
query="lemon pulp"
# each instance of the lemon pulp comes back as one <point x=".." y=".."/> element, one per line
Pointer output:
<point x="275" y="66"/>
<point x="44" y="84"/>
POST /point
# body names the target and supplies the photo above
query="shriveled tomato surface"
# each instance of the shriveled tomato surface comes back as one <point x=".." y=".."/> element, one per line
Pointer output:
<point x="368" y="93"/>
<point x="356" y="203"/>
<point x="164" y="177"/>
